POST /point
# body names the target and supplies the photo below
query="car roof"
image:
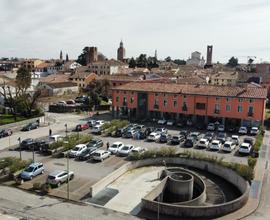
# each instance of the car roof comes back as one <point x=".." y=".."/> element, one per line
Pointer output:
<point x="235" y="136"/>
<point x="128" y="145"/>
<point x="35" y="164"/>
<point x="203" y="139"/>
<point x="255" y="128"/>
<point x="215" y="141"/>
<point x="245" y="144"/>
<point x="100" y="151"/>
<point x="228" y="142"/>
<point x="57" y="172"/>
<point x="80" y="145"/>
<point x="118" y="142"/>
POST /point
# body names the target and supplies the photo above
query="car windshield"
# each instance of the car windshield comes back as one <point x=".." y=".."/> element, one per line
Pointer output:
<point x="227" y="145"/>
<point x="214" y="143"/>
<point x="125" y="148"/>
<point x="96" y="154"/>
<point x="92" y="142"/>
<point x="221" y="135"/>
<point x="244" y="147"/>
<point x="202" y="142"/>
<point x="76" y="148"/>
<point x="29" y="169"/>
<point x="114" y="146"/>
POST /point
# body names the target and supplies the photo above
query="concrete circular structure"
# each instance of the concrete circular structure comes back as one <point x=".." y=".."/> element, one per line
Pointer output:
<point x="193" y="208"/>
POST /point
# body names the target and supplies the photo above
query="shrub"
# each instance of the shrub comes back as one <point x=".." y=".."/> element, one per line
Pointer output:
<point x="46" y="188"/>
<point x="258" y="142"/>
<point x="252" y="162"/>
<point x="37" y="186"/>
<point x="13" y="164"/>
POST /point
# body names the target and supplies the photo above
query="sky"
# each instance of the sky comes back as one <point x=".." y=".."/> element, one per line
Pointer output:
<point x="41" y="28"/>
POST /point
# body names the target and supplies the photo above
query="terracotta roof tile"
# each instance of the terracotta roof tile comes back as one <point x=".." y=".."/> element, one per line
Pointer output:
<point x="188" y="89"/>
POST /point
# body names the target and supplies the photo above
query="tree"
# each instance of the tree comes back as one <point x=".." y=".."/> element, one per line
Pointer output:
<point x="132" y="63"/>
<point x="180" y="62"/>
<point x="152" y="62"/>
<point x="23" y="79"/>
<point x="142" y="60"/>
<point x="250" y="61"/>
<point x="233" y="62"/>
<point x="82" y="57"/>
<point x="168" y="59"/>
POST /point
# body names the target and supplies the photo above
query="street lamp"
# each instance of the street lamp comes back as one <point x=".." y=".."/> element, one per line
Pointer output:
<point x="66" y="130"/>
<point x="20" y="147"/>
<point x="68" y="175"/>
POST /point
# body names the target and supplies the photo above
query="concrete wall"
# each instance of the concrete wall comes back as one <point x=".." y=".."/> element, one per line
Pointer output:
<point x="200" y="211"/>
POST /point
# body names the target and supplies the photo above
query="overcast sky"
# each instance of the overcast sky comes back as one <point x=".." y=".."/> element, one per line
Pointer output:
<point x="41" y="28"/>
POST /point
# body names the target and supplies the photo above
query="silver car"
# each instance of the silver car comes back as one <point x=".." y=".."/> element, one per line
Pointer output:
<point x="56" y="178"/>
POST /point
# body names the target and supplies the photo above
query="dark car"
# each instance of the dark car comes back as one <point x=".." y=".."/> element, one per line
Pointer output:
<point x="184" y="133"/>
<point x="177" y="139"/>
<point x="249" y="140"/>
<point x="5" y="133"/>
<point x="119" y="132"/>
<point x="43" y="145"/>
<point x="209" y="136"/>
<point x="200" y="126"/>
<point x="95" y="143"/>
<point x="231" y="128"/>
<point x="189" y="142"/>
<point x="148" y="130"/>
<point x="28" y="144"/>
<point x="164" y="138"/>
<point x="30" y="127"/>
<point x="194" y="135"/>
<point x="222" y="137"/>
<point x="87" y="153"/>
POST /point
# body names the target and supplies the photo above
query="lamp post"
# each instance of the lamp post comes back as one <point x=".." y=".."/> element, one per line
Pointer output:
<point x="66" y="130"/>
<point x="68" y="175"/>
<point x="20" y="147"/>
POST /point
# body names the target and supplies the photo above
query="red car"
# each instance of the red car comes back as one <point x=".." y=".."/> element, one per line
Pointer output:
<point x="82" y="127"/>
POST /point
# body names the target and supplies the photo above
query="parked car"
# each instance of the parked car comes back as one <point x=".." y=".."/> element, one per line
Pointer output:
<point x="43" y="145"/>
<point x="200" y="126"/>
<point x="56" y="138"/>
<point x="181" y="123"/>
<point x="209" y="136"/>
<point x="170" y="122"/>
<point x="194" y="135"/>
<point x="161" y="130"/>
<point x="97" y="129"/>
<point x="164" y="138"/>
<point x="30" y="126"/>
<point x="100" y="122"/>
<point x="86" y="154"/>
<point x="95" y="143"/>
<point x="56" y="178"/>
<point x="222" y="137"/>
<point x="242" y="130"/>
<point x="125" y="150"/>
<point x="162" y="122"/>
<point x="101" y="155"/>
<point x="203" y="143"/>
<point x="249" y="140"/>
<point x="177" y="139"/>
<point x="211" y="127"/>
<point x="190" y="142"/>
<point x="28" y="144"/>
<point x="231" y="128"/>
<point x="92" y="122"/>
<point x="130" y="133"/>
<point x="228" y="146"/>
<point x="245" y="148"/>
<point x="235" y="139"/>
<point x="254" y="130"/>
<point x="215" y="145"/>
<point x="148" y="130"/>
<point x="184" y="133"/>
<point x="154" y="136"/>
<point x="77" y="150"/>
<point x="70" y="102"/>
<point x="115" y="147"/>
<point x="32" y="170"/>
<point x="82" y="127"/>
<point x="5" y="133"/>
<point x="138" y="150"/>
<point x="221" y="128"/>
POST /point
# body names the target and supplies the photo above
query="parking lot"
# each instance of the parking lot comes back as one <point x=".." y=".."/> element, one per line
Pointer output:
<point x="89" y="172"/>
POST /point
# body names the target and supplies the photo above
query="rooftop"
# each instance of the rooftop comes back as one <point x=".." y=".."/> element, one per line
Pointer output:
<point x="209" y="90"/>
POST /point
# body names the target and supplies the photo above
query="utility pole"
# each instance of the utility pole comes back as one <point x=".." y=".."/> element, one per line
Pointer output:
<point x="68" y="176"/>
<point x="20" y="147"/>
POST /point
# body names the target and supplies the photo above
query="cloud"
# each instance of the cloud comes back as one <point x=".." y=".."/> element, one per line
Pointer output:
<point x="40" y="28"/>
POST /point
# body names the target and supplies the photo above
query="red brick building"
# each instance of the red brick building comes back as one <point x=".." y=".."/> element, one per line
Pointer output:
<point x="241" y="105"/>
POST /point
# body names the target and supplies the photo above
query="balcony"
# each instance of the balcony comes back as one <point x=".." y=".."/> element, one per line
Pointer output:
<point x="156" y="106"/>
<point x="250" y="114"/>
<point x="217" y="111"/>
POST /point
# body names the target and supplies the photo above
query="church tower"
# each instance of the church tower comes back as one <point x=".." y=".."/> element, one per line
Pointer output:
<point x="121" y="52"/>
<point x="61" y="55"/>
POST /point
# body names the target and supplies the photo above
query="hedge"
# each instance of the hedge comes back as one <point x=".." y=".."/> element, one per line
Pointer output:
<point x="13" y="164"/>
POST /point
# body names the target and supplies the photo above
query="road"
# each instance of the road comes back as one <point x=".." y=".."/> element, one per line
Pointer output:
<point x="18" y="203"/>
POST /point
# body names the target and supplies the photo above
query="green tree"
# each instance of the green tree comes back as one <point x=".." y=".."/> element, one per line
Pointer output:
<point x="179" y="62"/>
<point x="82" y="57"/>
<point x="132" y="63"/>
<point x="233" y="62"/>
<point x="168" y="59"/>
<point x="142" y="60"/>
<point x="23" y="79"/>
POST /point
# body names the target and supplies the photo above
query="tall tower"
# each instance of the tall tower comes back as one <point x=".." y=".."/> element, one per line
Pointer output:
<point x="156" y="54"/>
<point x="209" y="56"/>
<point x="121" y="52"/>
<point x="61" y="55"/>
<point x="67" y="59"/>
<point x="91" y="55"/>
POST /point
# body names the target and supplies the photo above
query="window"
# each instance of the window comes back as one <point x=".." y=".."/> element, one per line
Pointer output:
<point x="250" y="111"/>
<point x="228" y="99"/>
<point x="217" y="99"/>
<point x="164" y="94"/>
<point x="184" y="108"/>
<point x="156" y="94"/>
<point x="174" y="103"/>
<point x="156" y="102"/>
<point x="117" y="99"/>
<point x="200" y="106"/>
<point x="240" y="100"/>
<point x="131" y="100"/>
<point x="165" y="103"/>
<point x="250" y="100"/>
<point x="228" y="108"/>
<point x="240" y="108"/>
<point x="217" y="107"/>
